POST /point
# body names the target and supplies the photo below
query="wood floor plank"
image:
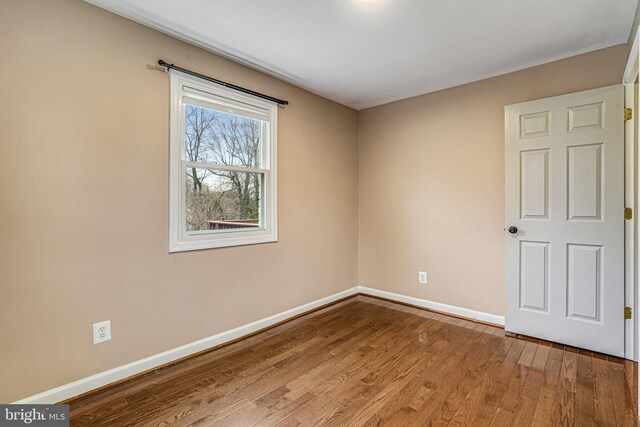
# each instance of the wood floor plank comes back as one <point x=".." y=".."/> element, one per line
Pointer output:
<point x="585" y="386"/>
<point x="623" y="405"/>
<point x="553" y="368"/>
<point x="502" y="418"/>
<point x="524" y="412"/>
<point x="371" y="362"/>
<point x="535" y="379"/>
<point x="462" y="406"/>
<point x="603" y="393"/>
<point x="544" y="409"/>
<point x="483" y="400"/>
<point x="631" y="374"/>
<point x="564" y="409"/>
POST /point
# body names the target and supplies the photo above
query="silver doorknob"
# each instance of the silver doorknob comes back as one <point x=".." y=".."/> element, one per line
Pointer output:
<point x="513" y="230"/>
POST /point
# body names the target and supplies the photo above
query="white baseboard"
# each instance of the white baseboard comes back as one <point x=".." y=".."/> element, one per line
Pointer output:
<point x="93" y="382"/>
<point x="101" y="379"/>
<point x="432" y="305"/>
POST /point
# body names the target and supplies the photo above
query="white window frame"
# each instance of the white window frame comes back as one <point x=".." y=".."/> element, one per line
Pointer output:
<point x="182" y="85"/>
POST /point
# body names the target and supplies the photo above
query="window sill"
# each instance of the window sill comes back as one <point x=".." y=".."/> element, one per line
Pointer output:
<point x="221" y="241"/>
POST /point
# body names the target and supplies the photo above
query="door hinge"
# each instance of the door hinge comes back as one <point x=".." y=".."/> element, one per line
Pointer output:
<point x="627" y="313"/>
<point x="628" y="114"/>
<point x="628" y="213"/>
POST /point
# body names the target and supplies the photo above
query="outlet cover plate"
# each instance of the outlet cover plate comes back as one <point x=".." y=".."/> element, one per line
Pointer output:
<point x="422" y="277"/>
<point x="101" y="332"/>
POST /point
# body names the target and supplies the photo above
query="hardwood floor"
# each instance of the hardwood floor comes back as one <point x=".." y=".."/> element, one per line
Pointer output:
<point x="370" y="362"/>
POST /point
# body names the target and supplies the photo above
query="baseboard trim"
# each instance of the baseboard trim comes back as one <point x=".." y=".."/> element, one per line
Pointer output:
<point x="466" y="313"/>
<point x="142" y="366"/>
<point x="103" y="380"/>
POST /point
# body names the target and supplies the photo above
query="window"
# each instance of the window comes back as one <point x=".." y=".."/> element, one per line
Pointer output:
<point x="222" y="166"/>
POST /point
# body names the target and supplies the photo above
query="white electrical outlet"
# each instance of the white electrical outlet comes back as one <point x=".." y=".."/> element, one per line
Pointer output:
<point x="101" y="332"/>
<point x="422" y="277"/>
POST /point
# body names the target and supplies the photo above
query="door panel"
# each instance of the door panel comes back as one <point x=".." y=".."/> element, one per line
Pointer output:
<point x="534" y="182"/>
<point x="583" y="281"/>
<point x="534" y="275"/>
<point x="585" y="182"/>
<point x="586" y="117"/>
<point x="534" y="125"/>
<point x="564" y="165"/>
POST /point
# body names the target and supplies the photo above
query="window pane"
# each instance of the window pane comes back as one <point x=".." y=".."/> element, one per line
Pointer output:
<point x="221" y="200"/>
<point x="215" y="137"/>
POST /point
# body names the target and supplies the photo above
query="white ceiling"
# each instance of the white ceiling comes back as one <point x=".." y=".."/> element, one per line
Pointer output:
<point x="363" y="53"/>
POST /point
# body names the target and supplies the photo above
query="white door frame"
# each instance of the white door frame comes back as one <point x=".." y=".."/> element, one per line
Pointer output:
<point x="631" y="254"/>
<point x="632" y="344"/>
<point x="630" y="73"/>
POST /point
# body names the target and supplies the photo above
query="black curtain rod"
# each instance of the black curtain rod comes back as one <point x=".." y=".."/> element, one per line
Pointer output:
<point x="220" y="82"/>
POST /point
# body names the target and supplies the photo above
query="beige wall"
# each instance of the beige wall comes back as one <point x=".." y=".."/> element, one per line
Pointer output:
<point x="432" y="181"/>
<point x="84" y="201"/>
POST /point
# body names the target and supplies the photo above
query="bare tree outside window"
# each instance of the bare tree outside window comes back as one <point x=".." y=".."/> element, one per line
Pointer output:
<point x="220" y="198"/>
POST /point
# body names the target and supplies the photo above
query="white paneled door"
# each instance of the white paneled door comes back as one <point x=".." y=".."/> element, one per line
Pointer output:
<point x="565" y="219"/>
